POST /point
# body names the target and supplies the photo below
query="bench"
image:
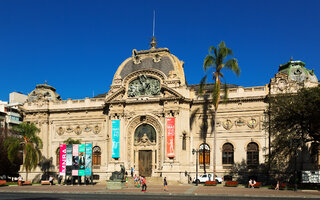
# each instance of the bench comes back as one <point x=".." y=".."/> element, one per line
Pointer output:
<point x="45" y="182"/>
<point x="27" y="183"/>
<point x="3" y="182"/>
<point x="257" y="185"/>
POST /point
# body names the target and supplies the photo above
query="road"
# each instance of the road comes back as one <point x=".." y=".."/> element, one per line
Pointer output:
<point x="56" y="196"/>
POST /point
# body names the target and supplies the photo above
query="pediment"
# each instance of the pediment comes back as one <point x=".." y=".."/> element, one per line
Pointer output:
<point x="166" y="92"/>
<point x="169" y="92"/>
<point x="117" y="95"/>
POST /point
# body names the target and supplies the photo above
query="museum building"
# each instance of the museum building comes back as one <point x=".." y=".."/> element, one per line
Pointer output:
<point x="153" y="121"/>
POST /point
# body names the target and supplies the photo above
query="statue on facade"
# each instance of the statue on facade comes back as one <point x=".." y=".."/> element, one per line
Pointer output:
<point x="144" y="85"/>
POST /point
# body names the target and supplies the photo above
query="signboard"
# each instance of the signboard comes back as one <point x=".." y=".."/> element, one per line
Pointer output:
<point x="62" y="167"/>
<point x="310" y="176"/>
<point x="88" y="159"/>
<point x="69" y="160"/>
<point x="75" y="160"/>
<point x="170" y="136"/>
<point x="115" y="138"/>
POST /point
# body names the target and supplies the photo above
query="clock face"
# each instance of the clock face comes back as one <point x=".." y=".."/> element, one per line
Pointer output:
<point x="282" y="84"/>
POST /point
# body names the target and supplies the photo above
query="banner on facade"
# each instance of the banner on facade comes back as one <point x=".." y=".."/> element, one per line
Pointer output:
<point x="75" y="160"/>
<point x="170" y="136"/>
<point x="88" y="159"/>
<point x="62" y="166"/>
<point x="82" y="156"/>
<point x="69" y="160"/>
<point x="115" y="138"/>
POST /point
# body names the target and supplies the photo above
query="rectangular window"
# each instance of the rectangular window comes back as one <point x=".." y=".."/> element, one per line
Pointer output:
<point x="206" y="158"/>
<point x="184" y="142"/>
<point x="227" y="158"/>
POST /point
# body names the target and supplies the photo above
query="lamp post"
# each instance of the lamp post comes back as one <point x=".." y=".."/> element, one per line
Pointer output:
<point x="193" y="152"/>
<point x="294" y="143"/>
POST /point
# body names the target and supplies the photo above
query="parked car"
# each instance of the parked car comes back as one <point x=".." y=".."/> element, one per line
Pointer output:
<point x="207" y="177"/>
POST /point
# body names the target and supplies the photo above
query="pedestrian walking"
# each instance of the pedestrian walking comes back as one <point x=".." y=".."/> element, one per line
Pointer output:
<point x="144" y="185"/>
<point x="131" y="171"/>
<point x="165" y="184"/>
<point x="277" y="186"/>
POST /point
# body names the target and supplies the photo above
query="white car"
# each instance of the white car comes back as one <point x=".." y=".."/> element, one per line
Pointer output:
<point x="206" y="177"/>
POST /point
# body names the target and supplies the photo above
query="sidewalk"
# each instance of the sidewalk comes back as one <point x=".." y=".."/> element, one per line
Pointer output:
<point x="158" y="190"/>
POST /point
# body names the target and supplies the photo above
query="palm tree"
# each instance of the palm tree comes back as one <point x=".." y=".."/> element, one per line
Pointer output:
<point x="28" y="142"/>
<point x="217" y="59"/>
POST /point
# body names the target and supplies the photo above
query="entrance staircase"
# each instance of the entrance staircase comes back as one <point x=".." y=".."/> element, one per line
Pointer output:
<point x="152" y="181"/>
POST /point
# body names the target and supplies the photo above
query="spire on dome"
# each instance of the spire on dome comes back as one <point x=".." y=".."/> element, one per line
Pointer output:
<point x="153" y="43"/>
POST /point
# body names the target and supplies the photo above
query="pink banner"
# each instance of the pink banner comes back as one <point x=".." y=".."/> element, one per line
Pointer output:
<point x="75" y="150"/>
<point x="63" y="158"/>
<point x="170" y="136"/>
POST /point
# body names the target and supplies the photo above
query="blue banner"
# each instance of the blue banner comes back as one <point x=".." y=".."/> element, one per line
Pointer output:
<point x="88" y="159"/>
<point x="115" y="138"/>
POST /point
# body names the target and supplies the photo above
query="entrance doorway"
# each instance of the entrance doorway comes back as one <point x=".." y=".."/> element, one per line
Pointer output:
<point x="145" y="163"/>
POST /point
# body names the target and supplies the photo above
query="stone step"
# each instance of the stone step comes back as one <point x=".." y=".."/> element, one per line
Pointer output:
<point x="152" y="181"/>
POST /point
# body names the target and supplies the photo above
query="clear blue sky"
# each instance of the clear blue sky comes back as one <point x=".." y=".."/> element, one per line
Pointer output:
<point x="77" y="45"/>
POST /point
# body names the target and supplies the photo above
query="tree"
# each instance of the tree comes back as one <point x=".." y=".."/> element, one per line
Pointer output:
<point x="293" y="122"/>
<point x="6" y="167"/>
<point x="69" y="141"/>
<point x="72" y="141"/>
<point x="218" y="59"/>
<point x="28" y="142"/>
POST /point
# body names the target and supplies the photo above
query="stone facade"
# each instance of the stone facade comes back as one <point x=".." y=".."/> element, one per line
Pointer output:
<point x="148" y="88"/>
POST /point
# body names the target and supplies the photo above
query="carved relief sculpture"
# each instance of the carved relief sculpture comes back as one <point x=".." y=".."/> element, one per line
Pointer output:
<point x="144" y="85"/>
<point x="69" y="129"/>
<point x="252" y="123"/>
<point x="77" y="130"/>
<point x="227" y="124"/>
<point x="60" y="131"/>
<point x="97" y="129"/>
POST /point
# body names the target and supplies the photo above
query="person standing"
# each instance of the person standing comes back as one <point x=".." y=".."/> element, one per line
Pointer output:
<point x="51" y="180"/>
<point x="135" y="180"/>
<point x="131" y="171"/>
<point x="20" y="179"/>
<point x="126" y="179"/>
<point x="165" y="184"/>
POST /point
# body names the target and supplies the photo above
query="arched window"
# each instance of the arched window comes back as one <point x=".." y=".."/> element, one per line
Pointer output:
<point x="227" y="153"/>
<point x="58" y="156"/>
<point x="252" y="154"/>
<point x="204" y="154"/>
<point x="96" y="155"/>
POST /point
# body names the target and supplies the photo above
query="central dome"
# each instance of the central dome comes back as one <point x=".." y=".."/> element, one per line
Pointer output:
<point x="156" y="59"/>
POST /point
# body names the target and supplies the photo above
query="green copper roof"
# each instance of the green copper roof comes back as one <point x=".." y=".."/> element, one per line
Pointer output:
<point x="297" y="71"/>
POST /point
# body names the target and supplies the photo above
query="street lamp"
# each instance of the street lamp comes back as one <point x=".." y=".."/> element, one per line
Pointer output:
<point x="295" y="143"/>
<point x="196" y="151"/>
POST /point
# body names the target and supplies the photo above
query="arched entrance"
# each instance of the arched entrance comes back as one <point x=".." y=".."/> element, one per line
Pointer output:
<point x="144" y="145"/>
<point x="145" y="136"/>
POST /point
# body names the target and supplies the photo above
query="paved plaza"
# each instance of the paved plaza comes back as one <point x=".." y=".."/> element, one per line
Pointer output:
<point x="177" y="190"/>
